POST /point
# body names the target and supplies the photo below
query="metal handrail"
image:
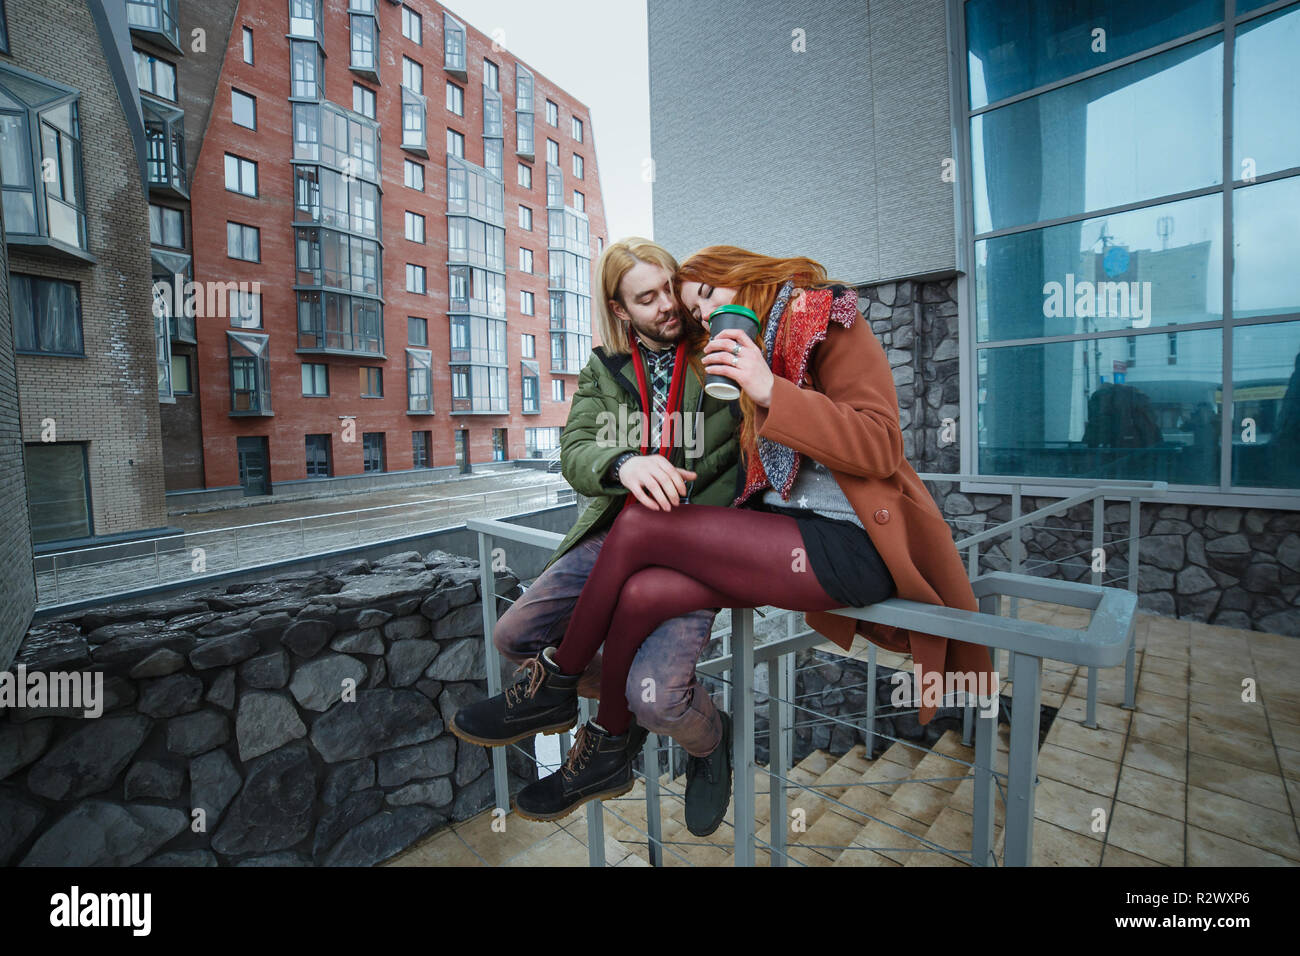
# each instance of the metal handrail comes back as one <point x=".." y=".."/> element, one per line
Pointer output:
<point x="1106" y="640"/>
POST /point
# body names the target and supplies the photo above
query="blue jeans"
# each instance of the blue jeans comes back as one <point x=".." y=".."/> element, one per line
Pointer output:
<point x="663" y="669"/>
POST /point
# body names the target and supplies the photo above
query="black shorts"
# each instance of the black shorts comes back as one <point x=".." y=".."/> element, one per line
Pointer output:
<point x="842" y="555"/>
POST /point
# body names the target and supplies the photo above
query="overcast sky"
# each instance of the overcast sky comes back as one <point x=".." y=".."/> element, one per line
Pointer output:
<point x="596" y="50"/>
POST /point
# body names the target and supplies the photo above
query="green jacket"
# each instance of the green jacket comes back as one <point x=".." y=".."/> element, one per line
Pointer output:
<point x="607" y="383"/>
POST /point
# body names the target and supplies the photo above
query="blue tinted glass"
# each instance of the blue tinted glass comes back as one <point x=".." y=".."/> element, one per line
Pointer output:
<point x="1266" y="247"/>
<point x="1159" y="265"/>
<point x="1149" y="129"/>
<point x="1266" y="104"/>
<point x="1017" y="45"/>
<point x="1245" y="6"/>
<point x="1144" y="408"/>
<point x="1266" y="405"/>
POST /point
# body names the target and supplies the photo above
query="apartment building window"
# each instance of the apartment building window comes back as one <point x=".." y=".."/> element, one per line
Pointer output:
<point x="525" y="260"/>
<point x="417" y="330"/>
<point x="525" y="218"/>
<point x="415" y="278"/>
<point x="365" y="38"/>
<point x="526" y="303"/>
<point x="529" y="379"/>
<point x="243" y="242"/>
<point x="553" y="152"/>
<point x="248" y="45"/>
<point x="306" y="70"/>
<point x="500" y="442"/>
<point x="58" y="490"/>
<point x="538" y="441"/>
<point x="157" y="17"/>
<point x="413" y="175"/>
<point x="577" y="166"/>
<point x="333" y="322"/>
<point x="412" y="26"/>
<point x="250" y="373"/>
<point x="318" y="456"/>
<point x="524" y="176"/>
<point x="305" y="18"/>
<point x="245" y="309"/>
<point x="155" y="76"/>
<point x="243" y="109"/>
<point x="372" y="451"/>
<point x="419" y="381"/>
<point x="455" y="99"/>
<point x="414" y="111"/>
<point x="315" y="379"/>
<point x="579" y="201"/>
<point x="456" y="144"/>
<point x="491" y="76"/>
<point x="420" y="444"/>
<point x="414" y="227"/>
<point x="49" y="200"/>
<point x="412" y="75"/>
<point x="577" y="129"/>
<point x="46" y="315"/>
<point x="182" y="381"/>
<point x="241" y="175"/>
<point x="453" y="45"/>
<point x="552" y="114"/>
<point x="166" y="226"/>
<point x="363" y="100"/>
<point x="528" y="345"/>
<point x="557" y="389"/>
<point x="372" y="381"/>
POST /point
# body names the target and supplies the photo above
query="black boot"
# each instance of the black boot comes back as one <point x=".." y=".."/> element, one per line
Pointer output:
<point x="599" y="766"/>
<point x="708" y="785"/>
<point x="543" y="701"/>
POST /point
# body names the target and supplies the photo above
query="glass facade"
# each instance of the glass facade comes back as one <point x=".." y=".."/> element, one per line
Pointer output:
<point x="569" y="253"/>
<point x="1136" y="297"/>
<point x="525" y="119"/>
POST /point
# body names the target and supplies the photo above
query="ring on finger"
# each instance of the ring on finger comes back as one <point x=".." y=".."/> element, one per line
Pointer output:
<point x="735" y="349"/>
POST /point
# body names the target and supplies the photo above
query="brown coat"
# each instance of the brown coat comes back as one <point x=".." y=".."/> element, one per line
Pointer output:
<point x="848" y="421"/>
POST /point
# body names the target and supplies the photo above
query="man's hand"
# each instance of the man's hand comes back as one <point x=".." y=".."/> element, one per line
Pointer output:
<point x="654" y="481"/>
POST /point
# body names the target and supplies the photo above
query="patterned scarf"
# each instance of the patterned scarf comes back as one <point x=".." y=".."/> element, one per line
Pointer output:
<point x="788" y="338"/>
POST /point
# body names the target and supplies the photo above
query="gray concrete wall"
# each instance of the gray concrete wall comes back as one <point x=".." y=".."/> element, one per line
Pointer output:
<point x="780" y="151"/>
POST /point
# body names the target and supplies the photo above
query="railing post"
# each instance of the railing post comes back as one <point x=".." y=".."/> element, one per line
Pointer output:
<point x="726" y="675"/>
<point x="778" y="756"/>
<point x="595" y="808"/>
<point x="1130" y="659"/>
<point x="492" y="660"/>
<point x="1022" y="761"/>
<point x="1098" y="535"/>
<point x="871" y="701"/>
<point x="1016" y="541"/>
<point x="654" y="823"/>
<point x="742" y="759"/>
<point x="985" y="753"/>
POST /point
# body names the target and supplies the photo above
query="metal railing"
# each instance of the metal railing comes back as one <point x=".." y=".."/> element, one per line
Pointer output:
<point x="75" y="575"/>
<point x="1106" y="641"/>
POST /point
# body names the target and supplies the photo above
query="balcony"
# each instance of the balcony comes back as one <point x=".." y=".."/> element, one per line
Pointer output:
<point x="155" y="20"/>
<point x="164" y="130"/>
<point x="331" y="323"/>
<point x="250" y="373"/>
<point x="453" y="48"/>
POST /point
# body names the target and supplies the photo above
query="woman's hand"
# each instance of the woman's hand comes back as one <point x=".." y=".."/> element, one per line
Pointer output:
<point x="736" y="356"/>
<point x="653" y="478"/>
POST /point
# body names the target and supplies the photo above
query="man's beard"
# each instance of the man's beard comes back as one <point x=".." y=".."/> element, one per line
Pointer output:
<point x="652" y="332"/>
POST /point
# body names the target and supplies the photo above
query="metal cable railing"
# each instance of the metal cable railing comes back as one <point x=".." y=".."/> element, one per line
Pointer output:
<point x="1103" y="643"/>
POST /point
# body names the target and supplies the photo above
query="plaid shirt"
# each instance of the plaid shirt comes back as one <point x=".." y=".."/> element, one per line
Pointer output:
<point x="659" y="371"/>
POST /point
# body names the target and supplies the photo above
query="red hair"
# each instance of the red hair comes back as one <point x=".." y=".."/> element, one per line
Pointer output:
<point x="757" y="279"/>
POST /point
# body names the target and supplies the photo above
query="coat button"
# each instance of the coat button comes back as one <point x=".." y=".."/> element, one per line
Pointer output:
<point x="882" y="516"/>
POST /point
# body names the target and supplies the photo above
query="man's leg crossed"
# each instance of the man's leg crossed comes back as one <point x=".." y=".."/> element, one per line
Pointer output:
<point x="662" y="690"/>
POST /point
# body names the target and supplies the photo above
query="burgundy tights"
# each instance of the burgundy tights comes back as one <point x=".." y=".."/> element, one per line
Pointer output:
<point x="656" y="565"/>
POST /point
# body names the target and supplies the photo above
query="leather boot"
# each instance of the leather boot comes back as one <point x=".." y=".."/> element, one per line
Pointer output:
<point x="599" y="766"/>
<point x="708" y="785"/>
<point x="543" y="701"/>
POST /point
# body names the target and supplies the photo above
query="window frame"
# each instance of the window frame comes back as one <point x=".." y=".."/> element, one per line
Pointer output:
<point x="241" y="167"/>
<point x="31" y="280"/>
<point x="234" y="92"/>
<point x="243" y="228"/>
<point x="324" y="371"/>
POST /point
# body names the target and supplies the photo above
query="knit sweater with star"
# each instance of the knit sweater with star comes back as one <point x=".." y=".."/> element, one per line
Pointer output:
<point x="815" y="489"/>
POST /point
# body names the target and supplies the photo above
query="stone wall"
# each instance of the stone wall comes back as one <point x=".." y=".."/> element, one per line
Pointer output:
<point x="1235" y="567"/>
<point x="303" y="716"/>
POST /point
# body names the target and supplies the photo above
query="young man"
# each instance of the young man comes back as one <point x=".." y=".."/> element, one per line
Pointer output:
<point x="683" y="450"/>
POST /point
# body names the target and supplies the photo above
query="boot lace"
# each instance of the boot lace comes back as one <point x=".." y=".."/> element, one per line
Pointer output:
<point x="526" y="686"/>
<point x="584" y="744"/>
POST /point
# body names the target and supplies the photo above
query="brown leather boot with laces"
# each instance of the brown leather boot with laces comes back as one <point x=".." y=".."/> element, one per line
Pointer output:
<point x="542" y="701"/>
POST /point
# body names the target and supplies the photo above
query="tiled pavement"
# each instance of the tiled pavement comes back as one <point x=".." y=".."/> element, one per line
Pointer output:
<point x="1195" y="776"/>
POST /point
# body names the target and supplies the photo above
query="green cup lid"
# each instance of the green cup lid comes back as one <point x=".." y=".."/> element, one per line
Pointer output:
<point x="738" y="309"/>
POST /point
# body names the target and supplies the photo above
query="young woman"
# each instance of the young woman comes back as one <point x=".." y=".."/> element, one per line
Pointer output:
<point x="830" y="515"/>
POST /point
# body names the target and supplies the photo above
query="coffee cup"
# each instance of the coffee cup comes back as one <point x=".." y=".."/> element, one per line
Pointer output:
<point x="729" y="317"/>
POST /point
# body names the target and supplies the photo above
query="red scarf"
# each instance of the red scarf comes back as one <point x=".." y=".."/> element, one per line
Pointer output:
<point x="675" y="387"/>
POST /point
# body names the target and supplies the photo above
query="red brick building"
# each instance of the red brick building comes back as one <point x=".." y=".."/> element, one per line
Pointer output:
<point x="423" y="269"/>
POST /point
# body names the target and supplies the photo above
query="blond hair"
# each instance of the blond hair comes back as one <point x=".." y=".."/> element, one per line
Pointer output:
<point x="614" y="263"/>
